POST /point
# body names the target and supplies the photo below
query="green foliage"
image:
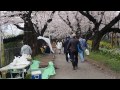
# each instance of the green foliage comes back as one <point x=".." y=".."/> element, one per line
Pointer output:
<point x="113" y="53"/>
<point x="89" y="42"/>
<point x="105" y="57"/>
<point x="28" y="76"/>
<point x="103" y="44"/>
<point x="108" y="55"/>
<point x="13" y="44"/>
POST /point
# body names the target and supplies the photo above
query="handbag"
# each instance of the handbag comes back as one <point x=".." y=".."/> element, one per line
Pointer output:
<point x="68" y="55"/>
<point x="87" y="52"/>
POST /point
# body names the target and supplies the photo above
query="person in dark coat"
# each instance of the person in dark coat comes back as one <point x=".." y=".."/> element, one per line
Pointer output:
<point x="47" y="50"/>
<point x="66" y="52"/>
<point x="73" y="46"/>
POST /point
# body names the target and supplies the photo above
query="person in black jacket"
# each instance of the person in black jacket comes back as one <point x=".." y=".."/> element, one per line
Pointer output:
<point x="66" y="52"/>
<point x="47" y="50"/>
<point x="73" y="46"/>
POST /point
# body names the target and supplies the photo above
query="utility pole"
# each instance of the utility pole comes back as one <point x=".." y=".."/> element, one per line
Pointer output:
<point x="0" y="48"/>
<point x="1" y="44"/>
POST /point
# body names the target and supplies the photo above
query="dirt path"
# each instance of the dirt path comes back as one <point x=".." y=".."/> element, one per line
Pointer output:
<point x="85" y="70"/>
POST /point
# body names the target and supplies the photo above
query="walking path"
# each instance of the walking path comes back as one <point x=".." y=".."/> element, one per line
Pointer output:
<point x="85" y="70"/>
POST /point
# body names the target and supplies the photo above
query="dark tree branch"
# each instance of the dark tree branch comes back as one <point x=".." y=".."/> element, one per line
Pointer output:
<point x="113" y="22"/>
<point x="46" y="24"/>
<point x="67" y="22"/>
<point x="97" y="25"/>
<point x="19" y="27"/>
<point x="52" y="14"/>
<point x="115" y="30"/>
<point x="62" y="18"/>
<point x="13" y="15"/>
<point x="102" y="15"/>
<point x="36" y="28"/>
<point x="78" y="22"/>
<point x="90" y="17"/>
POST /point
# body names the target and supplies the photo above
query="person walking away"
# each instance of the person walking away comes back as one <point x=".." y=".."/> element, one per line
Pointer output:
<point x="84" y="46"/>
<point x="59" y="46"/>
<point x="47" y="49"/>
<point x="66" y="52"/>
<point x="63" y="40"/>
<point x="73" y="43"/>
<point x="54" y="46"/>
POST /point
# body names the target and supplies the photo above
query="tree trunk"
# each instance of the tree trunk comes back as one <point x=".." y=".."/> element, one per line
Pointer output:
<point x="96" y="41"/>
<point x="30" y="35"/>
<point x="112" y="39"/>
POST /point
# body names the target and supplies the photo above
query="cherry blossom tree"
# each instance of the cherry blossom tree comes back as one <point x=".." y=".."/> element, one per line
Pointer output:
<point x="96" y="23"/>
<point x="31" y="30"/>
<point x="60" y="23"/>
<point x="99" y="30"/>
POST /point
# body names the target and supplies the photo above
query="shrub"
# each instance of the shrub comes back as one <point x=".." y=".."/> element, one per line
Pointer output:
<point x="103" y="44"/>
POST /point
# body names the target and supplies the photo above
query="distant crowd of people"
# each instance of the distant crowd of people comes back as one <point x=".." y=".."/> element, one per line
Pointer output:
<point x="73" y="46"/>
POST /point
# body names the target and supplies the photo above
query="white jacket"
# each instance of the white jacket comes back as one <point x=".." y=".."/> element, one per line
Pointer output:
<point x="59" y="45"/>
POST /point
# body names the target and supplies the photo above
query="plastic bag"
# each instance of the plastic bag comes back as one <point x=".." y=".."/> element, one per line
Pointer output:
<point x="87" y="52"/>
<point x="68" y="55"/>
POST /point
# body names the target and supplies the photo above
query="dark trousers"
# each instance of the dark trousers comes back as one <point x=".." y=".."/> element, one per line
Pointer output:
<point x="70" y="54"/>
<point x="66" y="55"/>
<point x="74" y="56"/>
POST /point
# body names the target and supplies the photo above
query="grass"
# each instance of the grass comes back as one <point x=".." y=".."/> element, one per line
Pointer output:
<point x="108" y="61"/>
<point x="28" y="76"/>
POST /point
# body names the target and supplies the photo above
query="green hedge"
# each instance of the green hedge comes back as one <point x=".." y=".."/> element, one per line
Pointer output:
<point x="103" y="44"/>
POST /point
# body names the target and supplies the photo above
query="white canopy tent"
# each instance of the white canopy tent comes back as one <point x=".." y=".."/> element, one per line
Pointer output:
<point x="47" y="40"/>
